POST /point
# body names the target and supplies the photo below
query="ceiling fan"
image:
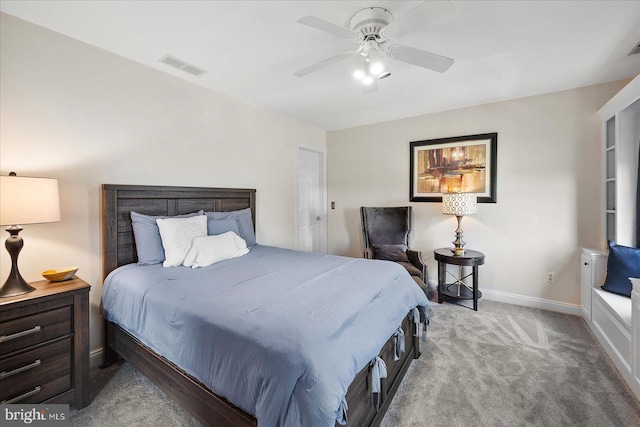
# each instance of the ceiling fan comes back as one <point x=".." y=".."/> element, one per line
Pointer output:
<point x="374" y="30"/>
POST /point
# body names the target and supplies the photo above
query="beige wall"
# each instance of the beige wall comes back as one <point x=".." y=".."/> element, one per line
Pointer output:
<point x="86" y="117"/>
<point x="549" y="190"/>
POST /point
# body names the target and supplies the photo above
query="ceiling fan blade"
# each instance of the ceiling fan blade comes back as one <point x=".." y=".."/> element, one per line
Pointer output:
<point x="322" y="64"/>
<point x="419" y="57"/>
<point x="422" y="14"/>
<point x="328" y="27"/>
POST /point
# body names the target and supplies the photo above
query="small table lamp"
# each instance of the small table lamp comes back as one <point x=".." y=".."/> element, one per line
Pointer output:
<point x="24" y="201"/>
<point x="459" y="204"/>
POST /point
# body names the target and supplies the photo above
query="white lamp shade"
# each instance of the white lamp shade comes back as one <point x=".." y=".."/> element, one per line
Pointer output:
<point x="26" y="200"/>
<point x="459" y="204"/>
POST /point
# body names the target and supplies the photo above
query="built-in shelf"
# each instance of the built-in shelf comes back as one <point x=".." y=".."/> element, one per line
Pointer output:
<point x="621" y="142"/>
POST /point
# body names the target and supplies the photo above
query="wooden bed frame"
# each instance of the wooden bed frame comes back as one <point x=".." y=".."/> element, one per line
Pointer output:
<point x="210" y="409"/>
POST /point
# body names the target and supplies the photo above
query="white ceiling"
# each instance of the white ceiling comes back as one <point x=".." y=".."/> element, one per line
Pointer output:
<point x="503" y="50"/>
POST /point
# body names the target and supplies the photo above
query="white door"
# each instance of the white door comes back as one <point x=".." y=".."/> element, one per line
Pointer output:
<point x="310" y="215"/>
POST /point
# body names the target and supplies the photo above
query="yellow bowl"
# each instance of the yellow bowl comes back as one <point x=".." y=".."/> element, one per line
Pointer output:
<point x="60" y="275"/>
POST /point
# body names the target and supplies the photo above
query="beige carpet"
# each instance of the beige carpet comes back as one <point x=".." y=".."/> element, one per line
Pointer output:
<point x="507" y="365"/>
<point x="501" y="366"/>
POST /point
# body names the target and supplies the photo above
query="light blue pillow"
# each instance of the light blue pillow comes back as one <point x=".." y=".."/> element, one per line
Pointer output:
<point x="219" y="226"/>
<point x="245" y="224"/>
<point x="147" y="236"/>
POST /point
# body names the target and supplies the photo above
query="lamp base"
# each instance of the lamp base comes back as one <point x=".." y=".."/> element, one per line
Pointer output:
<point x="458" y="250"/>
<point x="15" y="284"/>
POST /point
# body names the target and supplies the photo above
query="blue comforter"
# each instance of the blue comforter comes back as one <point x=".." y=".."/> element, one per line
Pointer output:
<point x="280" y="333"/>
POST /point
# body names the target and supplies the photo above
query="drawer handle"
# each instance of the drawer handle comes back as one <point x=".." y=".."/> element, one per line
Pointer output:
<point x="22" y="396"/>
<point x="6" y="374"/>
<point x="33" y="330"/>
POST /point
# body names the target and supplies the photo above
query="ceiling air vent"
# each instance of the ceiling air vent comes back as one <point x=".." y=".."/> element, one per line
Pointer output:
<point x="181" y="65"/>
<point x="635" y="50"/>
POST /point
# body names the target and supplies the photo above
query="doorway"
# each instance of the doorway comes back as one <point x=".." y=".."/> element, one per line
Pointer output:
<point x="311" y="213"/>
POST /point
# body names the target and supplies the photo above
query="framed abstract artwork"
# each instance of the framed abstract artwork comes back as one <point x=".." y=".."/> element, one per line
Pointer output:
<point x="465" y="164"/>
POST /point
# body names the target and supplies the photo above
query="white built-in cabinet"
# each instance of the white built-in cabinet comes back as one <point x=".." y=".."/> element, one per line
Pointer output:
<point x="615" y="319"/>
<point x="635" y="340"/>
<point x="593" y="266"/>
<point x="621" y="136"/>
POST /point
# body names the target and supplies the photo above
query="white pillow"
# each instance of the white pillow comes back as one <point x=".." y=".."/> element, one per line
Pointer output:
<point x="177" y="235"/>
<point x="211" y="249"/>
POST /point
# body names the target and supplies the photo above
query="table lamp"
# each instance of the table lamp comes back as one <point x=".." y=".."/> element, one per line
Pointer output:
<point x="24" y="201"/>
<point x="459" y="204"/>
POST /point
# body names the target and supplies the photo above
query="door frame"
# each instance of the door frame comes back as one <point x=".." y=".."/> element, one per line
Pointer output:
<point x="322" y="151"/>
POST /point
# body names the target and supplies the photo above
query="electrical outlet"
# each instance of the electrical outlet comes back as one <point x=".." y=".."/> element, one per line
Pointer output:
<point x="550" y="276"/>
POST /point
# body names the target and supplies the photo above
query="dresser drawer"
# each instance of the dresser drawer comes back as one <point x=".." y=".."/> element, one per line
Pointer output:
<point x="33" y="329"/>
<point x="44" y="344"/>
<point x="36" y="374"/>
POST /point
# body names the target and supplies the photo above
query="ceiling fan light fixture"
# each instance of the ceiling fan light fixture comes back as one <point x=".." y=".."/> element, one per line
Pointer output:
<point x="377" y="63"/>
<point x="360" y="67"/>
<point x="367" y="80"/>
<point x="376" y="68"/>
<point x="369" y="69"/>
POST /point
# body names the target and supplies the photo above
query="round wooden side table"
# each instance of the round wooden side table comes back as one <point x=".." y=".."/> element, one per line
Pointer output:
<point x="458" y="289"/>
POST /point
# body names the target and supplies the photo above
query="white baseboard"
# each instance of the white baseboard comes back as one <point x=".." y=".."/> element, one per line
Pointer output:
<point x="95" y="358"/>
<point x="515" y="299"/>
<point x="544" y="304"/>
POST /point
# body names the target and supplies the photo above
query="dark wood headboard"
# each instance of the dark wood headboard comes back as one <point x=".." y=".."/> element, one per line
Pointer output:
<point x="118" y="245"/>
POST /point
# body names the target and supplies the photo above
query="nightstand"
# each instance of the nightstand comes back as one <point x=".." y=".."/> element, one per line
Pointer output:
<point x="44" y="344"/>
<point x="458" y="290"/>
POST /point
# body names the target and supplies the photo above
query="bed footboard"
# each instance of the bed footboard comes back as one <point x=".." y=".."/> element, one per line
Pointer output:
<point x="209" y="408"/>
<point x="213" y="410"/>
<point x="359" y="397"/>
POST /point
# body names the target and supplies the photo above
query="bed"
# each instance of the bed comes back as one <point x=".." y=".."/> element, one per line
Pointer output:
<point x="178" y="381"/>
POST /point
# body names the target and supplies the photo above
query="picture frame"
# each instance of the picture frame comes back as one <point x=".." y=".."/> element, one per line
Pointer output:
<point x="465" y="164"/>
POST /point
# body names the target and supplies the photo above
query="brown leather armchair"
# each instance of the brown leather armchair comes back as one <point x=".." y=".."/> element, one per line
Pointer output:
<point x="385" y="232"/>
